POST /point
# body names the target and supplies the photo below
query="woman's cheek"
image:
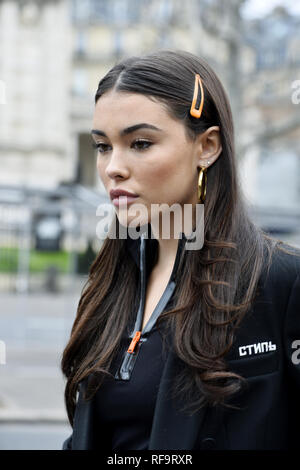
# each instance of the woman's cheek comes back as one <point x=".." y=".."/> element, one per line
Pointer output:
<point x="101" y="171"/>
<point x="158" y="172"/>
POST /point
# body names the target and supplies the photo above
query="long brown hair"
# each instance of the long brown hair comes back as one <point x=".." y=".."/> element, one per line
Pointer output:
<point x="217" y="283"/>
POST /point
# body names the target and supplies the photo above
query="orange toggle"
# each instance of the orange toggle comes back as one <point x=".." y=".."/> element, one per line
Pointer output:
<point x="197" y="112"/>
<point x="134" y="341"/>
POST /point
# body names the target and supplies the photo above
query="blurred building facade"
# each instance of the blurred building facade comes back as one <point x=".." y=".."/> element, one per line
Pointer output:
<point x="276" y="153"/>
<point x="35" y="65"/>
<point x="54" y="52"/>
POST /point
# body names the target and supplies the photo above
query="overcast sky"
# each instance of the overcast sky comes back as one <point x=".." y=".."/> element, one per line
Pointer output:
<point x="257" y="8"/>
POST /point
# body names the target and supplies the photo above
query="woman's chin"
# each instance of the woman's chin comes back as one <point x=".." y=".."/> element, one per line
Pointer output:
<point x="130" y="221"/>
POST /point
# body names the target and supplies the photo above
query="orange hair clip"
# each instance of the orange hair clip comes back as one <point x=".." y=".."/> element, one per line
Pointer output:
<point x="197" y="112"/>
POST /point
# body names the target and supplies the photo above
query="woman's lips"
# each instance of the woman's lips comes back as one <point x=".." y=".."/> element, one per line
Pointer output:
<point x="122" y="200"/>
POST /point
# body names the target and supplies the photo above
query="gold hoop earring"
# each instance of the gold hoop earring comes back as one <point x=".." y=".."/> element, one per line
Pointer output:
<point x="202" y="181"/>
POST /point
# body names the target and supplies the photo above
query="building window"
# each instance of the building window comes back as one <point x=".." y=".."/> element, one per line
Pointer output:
<point x="80" y="82"/>
<point x="81" y="43"/>
<point x="29" y="13"/>
<point x="81" y="11"/>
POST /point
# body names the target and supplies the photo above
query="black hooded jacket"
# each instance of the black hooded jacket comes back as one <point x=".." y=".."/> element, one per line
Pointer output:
<point x="266" y="351"/>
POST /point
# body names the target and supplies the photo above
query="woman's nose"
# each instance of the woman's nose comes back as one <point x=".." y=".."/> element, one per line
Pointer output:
<point x="117" y="165"/>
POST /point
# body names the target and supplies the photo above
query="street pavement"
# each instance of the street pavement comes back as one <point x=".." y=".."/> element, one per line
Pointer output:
<point x="34" y="328"/>
<point x="34" y="436"/>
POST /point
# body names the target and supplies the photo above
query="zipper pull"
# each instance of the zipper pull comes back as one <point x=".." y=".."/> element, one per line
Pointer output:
<point x="134" y="341"/>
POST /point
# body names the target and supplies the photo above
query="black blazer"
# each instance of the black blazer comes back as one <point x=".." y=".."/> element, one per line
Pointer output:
<point x="266" y="351"/>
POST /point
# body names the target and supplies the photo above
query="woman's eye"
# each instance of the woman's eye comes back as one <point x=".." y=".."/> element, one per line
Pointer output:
<point x="141" y="144"/>
<point x="99" y="147"/>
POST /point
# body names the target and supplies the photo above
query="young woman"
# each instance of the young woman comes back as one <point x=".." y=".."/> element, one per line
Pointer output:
<point x="176" y="348"/>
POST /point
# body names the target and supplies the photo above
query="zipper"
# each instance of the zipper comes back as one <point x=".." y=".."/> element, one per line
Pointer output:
<point x="137" y="335"/>
<point x="134" y="341"/>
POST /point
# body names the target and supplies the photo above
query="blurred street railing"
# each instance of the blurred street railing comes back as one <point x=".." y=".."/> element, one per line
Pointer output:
<point x="47" y="238"/>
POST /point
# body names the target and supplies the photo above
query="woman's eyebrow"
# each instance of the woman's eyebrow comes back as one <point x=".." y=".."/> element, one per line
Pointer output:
<point x="128" y="130"/>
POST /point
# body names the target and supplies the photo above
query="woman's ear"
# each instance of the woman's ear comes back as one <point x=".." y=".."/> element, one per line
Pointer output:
<point x="209" y="146"/>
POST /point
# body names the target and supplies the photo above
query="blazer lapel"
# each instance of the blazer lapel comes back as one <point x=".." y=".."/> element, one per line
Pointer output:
<point x="171" y="429"/>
